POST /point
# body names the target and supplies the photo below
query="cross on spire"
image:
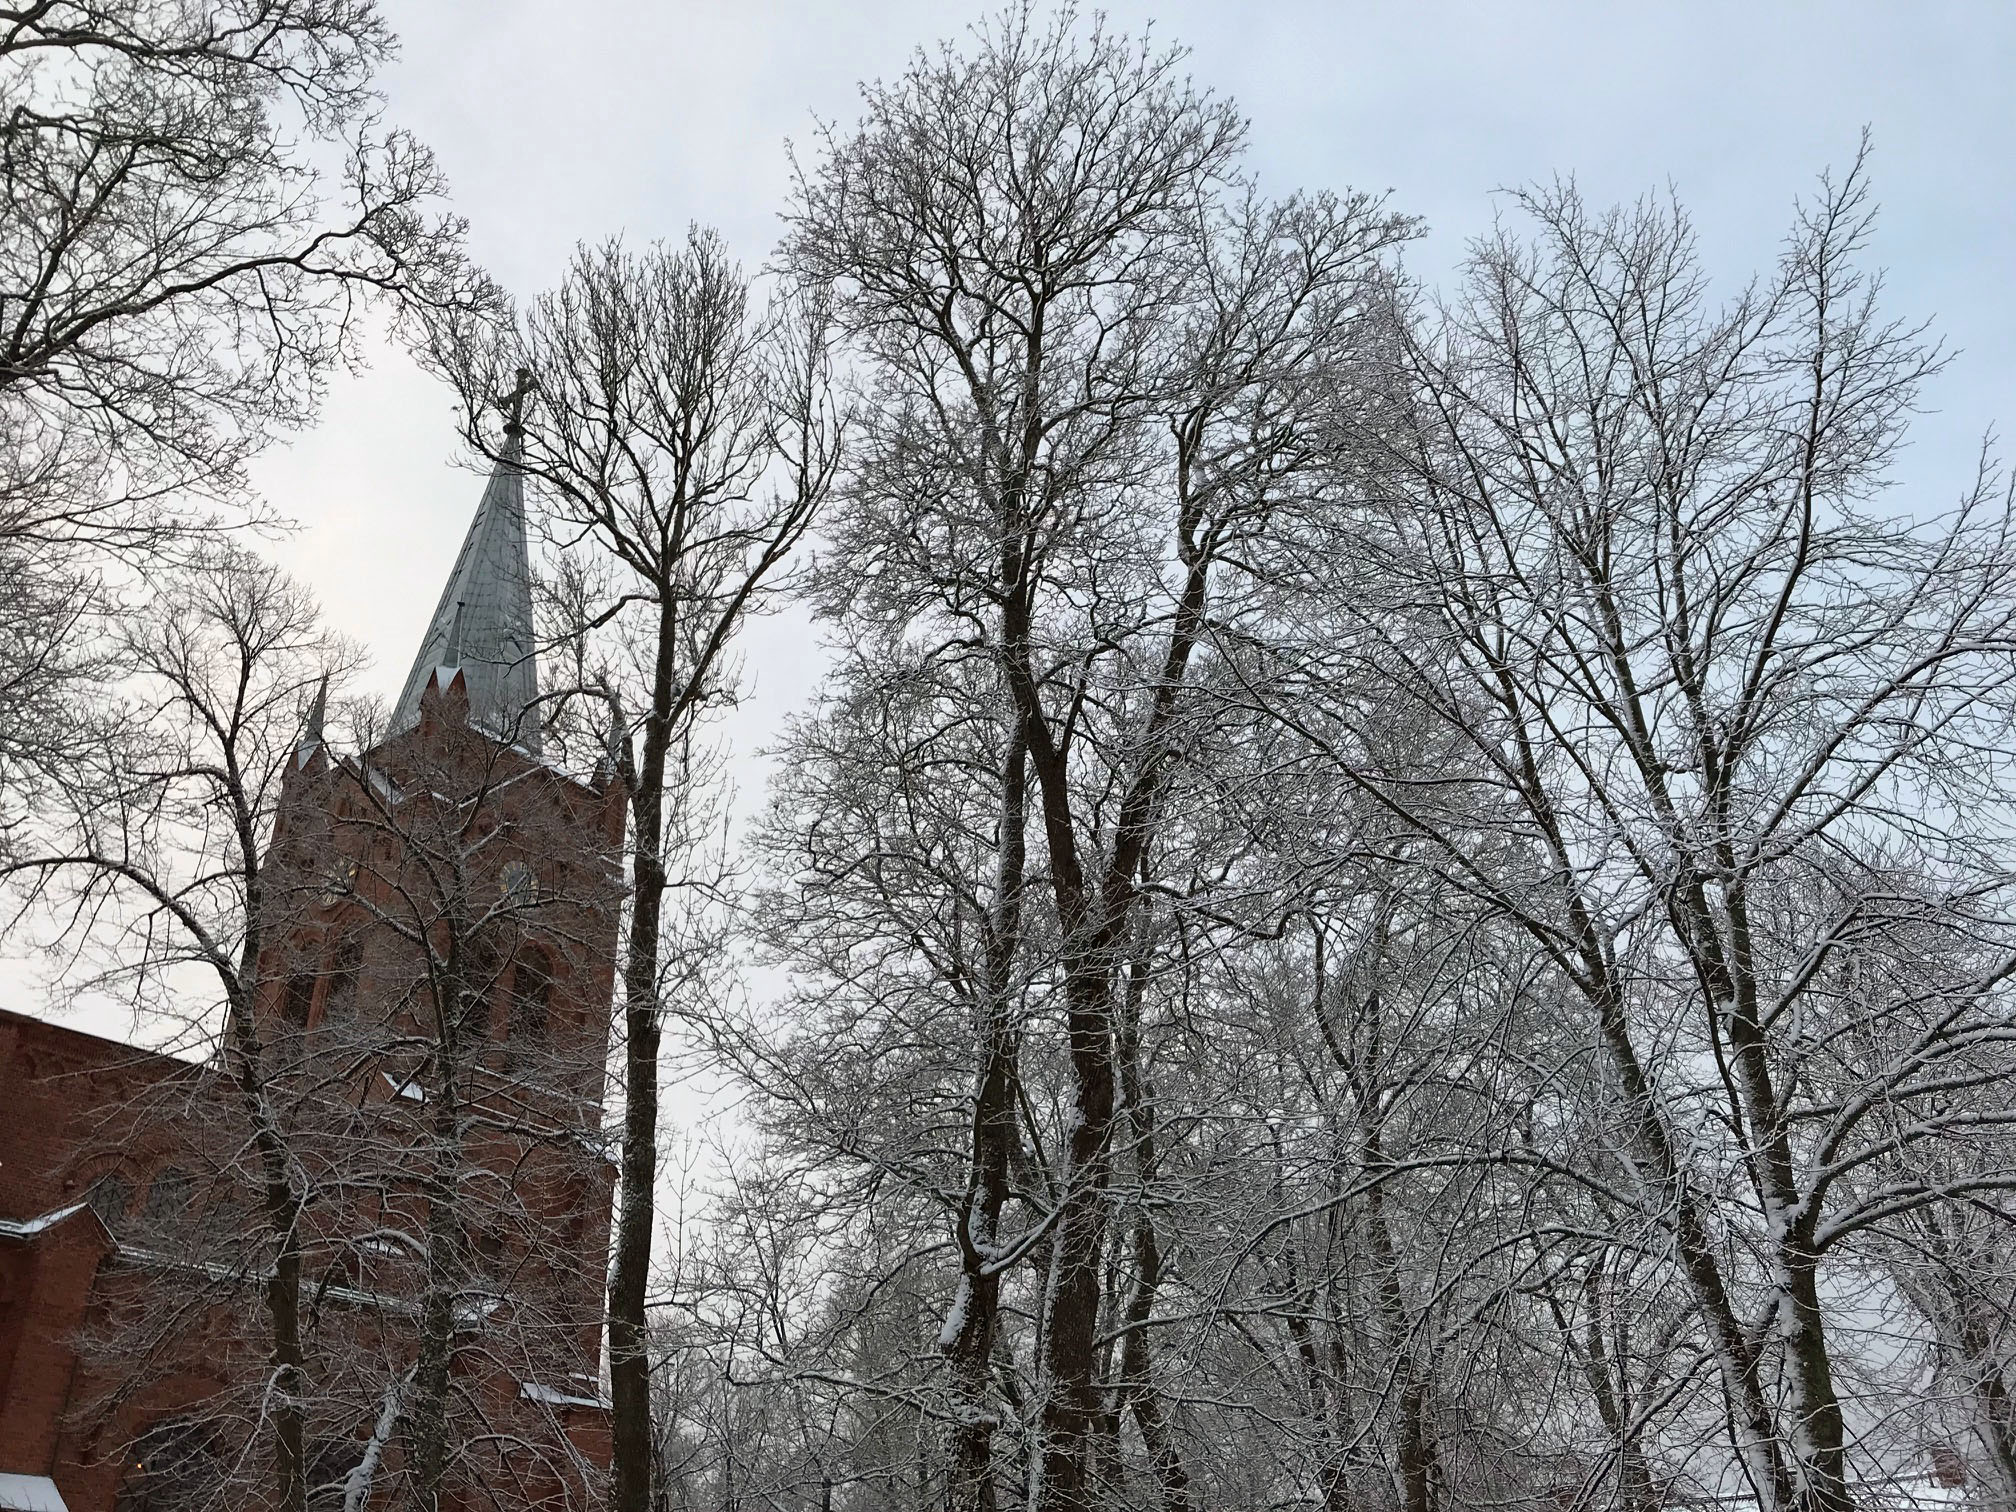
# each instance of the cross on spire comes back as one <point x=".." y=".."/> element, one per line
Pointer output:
<point x="513" y="403"/>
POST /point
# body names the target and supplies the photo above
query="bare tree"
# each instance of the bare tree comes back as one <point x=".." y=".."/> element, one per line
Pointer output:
<point x="475" y="893"/>
<point x="1085" y="352"/>
<point x="1603" y="955"/>
<point x="682" y="444"/>
<point x="1391" y="904"/>
<point x="161" y="845"/>
<point x="1722" y="734"/>
<point x="197" y="196"/>
<point x="369" y="1185"/>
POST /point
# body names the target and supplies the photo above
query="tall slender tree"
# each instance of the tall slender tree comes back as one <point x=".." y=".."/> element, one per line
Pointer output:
<point x="682" y="443"/>
<point x="159" y="857"/>
<point x="1727" y="728"/>
<point x="1087" y="352"/>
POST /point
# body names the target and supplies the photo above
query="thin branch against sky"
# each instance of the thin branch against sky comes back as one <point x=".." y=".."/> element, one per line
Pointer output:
<point x="638" y="118"/>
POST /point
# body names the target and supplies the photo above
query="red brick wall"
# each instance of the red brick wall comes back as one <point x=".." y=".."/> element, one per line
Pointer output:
<point x="63" y="1091"/>
<point x="65" y="1119"/>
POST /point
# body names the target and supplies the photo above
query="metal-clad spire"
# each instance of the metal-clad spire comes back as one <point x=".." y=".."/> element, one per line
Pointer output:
<point x="483" y="623"/>
<point x="311" y="735"/>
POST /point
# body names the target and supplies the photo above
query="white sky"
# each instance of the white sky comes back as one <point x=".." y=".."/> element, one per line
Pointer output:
<point x="636" y="118"/>
<point x="558" y="124"/>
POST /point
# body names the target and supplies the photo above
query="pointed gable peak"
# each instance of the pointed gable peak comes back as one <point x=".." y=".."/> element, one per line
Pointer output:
<point x="482" y="625"/>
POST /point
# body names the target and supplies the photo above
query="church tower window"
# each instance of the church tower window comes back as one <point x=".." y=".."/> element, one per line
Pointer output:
<point x="168" y="1194"/>
<point x="531" y="1004"/>
<point x="340" y="1005"/>
<point x="109" y="1197"/>
<point x="297" y="998"/>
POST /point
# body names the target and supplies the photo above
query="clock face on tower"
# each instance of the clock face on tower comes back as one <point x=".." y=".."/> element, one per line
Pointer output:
<point x="339" y="880"/>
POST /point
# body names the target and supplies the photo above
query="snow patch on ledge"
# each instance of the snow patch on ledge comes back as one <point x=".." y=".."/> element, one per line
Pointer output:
<point x="553" y="1396"/>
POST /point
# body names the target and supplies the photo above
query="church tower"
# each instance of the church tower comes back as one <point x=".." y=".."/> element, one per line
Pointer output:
<point x="445" y="953"/>
<point x="438" y="921"/>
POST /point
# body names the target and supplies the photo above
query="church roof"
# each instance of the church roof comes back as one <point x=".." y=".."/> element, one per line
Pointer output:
<point x="483" y="624"/>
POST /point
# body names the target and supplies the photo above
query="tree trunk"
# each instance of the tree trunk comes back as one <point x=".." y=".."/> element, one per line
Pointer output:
<point x="1818" y="1422"/>
<point x="636" y="1201"/>
<point x="1750" y="1411"/>
<point x="629" y="1361"/>
<point x="282" y="1208"/>
<point x="1093" y="925"/>
<point x="1072" y="1406"/>
<point x="1991" y="1394"/>
<point x="279" y="1199"/>
<point x="1137" y="1385"/>
<point x="1417" y="1476"/>
<point x="971" y="1343"/>
<point x="427" y="1417"/>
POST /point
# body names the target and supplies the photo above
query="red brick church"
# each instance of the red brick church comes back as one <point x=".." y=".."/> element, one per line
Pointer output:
<point x="436" y="958"/>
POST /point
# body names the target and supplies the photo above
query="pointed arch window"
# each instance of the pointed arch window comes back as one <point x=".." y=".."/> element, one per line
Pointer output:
<point x="531" y="1004"/>
<point x="296" y="998"/>
<point x="168" y="1195"/>
<point x="109" y="1197"/>
<point x="346" y="967"/>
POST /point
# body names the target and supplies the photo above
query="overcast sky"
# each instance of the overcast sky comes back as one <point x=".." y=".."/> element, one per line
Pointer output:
<point x="559" y="124"/>
<point x="638" y="118"/>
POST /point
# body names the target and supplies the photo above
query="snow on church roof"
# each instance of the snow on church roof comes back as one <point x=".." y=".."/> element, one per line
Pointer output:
<point x="12" y="1228"/>
<point x="30" y="1493"/>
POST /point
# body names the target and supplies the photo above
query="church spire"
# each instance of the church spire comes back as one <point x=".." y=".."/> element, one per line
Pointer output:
<point x="483" y="623"/>
<point x="311" y="734"/>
